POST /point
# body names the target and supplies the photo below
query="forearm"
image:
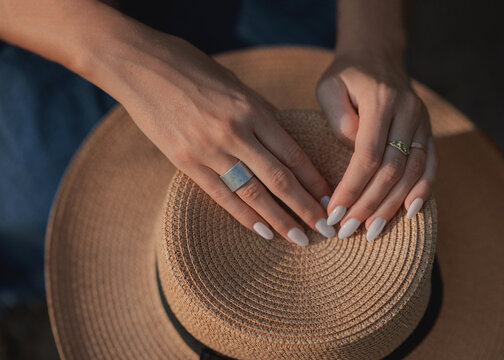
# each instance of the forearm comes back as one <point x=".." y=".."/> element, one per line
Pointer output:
<point x="50" y="28"/>
<point x="375" y="26"/>
<point x="88" y="37"/>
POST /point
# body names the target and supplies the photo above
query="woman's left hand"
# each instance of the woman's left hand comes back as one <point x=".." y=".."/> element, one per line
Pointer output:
<point x="369" y="101"/>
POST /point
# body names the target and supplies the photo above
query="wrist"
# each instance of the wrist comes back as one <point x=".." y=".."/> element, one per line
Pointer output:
<point x="371" y="28"/>
<point x="118" y="54"/>
<point x="99" y="38"/>
<point x="112" y="47"/>
<point x="386" y="55"/>
<point x="383" y="46"/>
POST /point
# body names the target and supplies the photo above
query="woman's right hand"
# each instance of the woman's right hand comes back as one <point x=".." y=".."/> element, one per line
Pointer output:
<point x="204" y="120"/>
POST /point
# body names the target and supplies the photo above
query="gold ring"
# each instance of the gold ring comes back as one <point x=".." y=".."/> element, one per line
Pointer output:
<point x="417" y="145"/>
<point x="401" y="146"/>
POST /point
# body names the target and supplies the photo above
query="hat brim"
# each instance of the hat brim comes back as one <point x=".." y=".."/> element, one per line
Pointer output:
<point x="100" y="255"/>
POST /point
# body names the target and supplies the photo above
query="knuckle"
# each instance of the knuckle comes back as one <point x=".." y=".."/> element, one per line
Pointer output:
<point x="281" y="180"/>
<point x="368" y="208"/>
<point x="386" y="94"/>
<point x="203" y="142"/>
<point x="416" y="165"/>
<point x="182" y="156"/>
<point x="251" y="191"/>
<point x="229" y="128"/>
<point x="295" y="156"/>
<point x="393" y="170"/>
<point x="244" y="105"/>
<point x="246" y="108"/>
<point x="327" y="84"/>
<point x="345" y="131"/>
<point x="350" y="191"/>
<point x="368" y="160"/>
<point x="220" y="195"/>
<point x="413" y="105"/>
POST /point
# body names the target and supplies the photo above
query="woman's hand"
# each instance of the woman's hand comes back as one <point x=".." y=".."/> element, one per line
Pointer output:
<point x="368" y="100"/>
<point x="204" y="120"/>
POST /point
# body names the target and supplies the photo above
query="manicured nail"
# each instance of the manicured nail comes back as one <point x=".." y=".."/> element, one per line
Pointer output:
<point x="325" y="201"/>
<point x="298" y="236"/>
<point x="336" y="215"/>
<point x="263" y="230"/>
<point x="415" y="206"/>
<point x="326" y="230"/>
<point x="348" y="228"/>
<point x="376" y="228"/>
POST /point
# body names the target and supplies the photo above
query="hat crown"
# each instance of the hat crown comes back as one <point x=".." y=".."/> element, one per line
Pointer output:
<point x="247" y="297"/>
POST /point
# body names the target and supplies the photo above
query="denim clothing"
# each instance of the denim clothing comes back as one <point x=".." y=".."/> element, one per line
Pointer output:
<point x="45" y="113"/>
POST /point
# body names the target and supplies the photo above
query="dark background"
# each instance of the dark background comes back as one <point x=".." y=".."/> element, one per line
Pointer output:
<point x="455" y="47"/>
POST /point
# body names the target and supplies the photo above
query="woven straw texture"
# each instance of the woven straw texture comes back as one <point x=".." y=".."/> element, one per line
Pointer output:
<point x="251" y="298"/>
<point x="107" y="221"/>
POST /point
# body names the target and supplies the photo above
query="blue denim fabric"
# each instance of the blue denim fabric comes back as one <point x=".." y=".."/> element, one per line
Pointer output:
<point x="45" y="113"/>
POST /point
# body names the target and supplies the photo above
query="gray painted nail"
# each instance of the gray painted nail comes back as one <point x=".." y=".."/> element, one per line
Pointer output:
<point x="298" y="236"/>
<point x="336" y="215"/>
<point x="263" y="230"/>
<point x="348" y="228"/>
<point x="325" y="201"/>
<point x="414" y="208"/>
<point x="326" y="230"/>
<point x="376" y="228"/>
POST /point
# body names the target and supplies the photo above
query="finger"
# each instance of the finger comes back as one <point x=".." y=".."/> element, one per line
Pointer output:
<point x="369" y="148"/>
<point x="415" y="167"/>
<point x="334" y="99"/>
<point x="274" y="138"/>
<point x="403" y="127"/>
<point x="210" y="182"/>
<point x="423" y="188"/>
<point x="284" y="185"/>
<point x="256" y="196"/>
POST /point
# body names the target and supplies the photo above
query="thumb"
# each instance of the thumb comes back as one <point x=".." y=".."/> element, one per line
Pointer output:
<point x="334" y="99"/>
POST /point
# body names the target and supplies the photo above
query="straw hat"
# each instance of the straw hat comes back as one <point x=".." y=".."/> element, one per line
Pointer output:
<point x="141" y="263"/>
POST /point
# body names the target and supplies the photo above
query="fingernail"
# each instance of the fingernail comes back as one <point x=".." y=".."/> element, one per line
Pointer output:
<point x="415" y="206"/>
<point x="376" y="228"/>
<point x="326" y="230"/>
<point x="348" y="228"/>
<point x="325" y="201"/>
<point x="263" y="230"/>
<point x="298" y="236"/>
<point x="336" y="215"/>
